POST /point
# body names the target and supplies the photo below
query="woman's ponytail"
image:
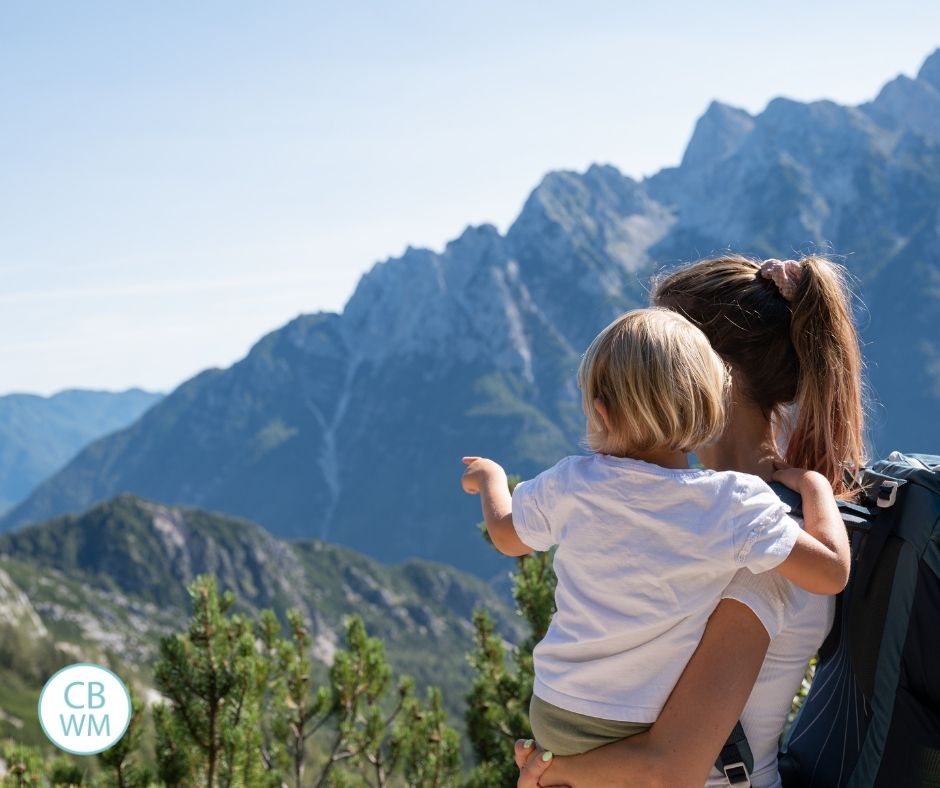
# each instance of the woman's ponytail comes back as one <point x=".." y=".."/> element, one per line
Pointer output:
<point x="827" y="432"/>
<point x="785" y="327"/>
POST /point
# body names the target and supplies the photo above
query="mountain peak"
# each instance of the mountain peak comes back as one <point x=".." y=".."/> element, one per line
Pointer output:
<point x="911" y="105"/>
<point x="930" y="71"/>
<point x="718" y="134"/>
<point x="566" y="196"/>
<point x="475" y="234"/>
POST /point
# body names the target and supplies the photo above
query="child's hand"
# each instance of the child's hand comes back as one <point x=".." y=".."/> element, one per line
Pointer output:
<point x="798" y="479"/>
<point x="488" y="480"/>
<point x="820" y="559"/>
<point x="478" y="468"/>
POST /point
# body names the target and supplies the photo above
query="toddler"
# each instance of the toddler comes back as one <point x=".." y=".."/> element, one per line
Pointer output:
<point x="646" y="544"/>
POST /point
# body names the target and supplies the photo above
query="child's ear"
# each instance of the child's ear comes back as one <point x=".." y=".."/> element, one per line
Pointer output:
<point x="601" y="409"/>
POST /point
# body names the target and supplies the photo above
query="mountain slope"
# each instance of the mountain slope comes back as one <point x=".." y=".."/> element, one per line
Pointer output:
<point x="109" y="582"/>
<point x="350" y="427"/>
<point x="38" y="435"/>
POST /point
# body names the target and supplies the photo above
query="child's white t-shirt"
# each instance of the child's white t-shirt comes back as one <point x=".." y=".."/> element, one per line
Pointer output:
<point x="644" y="553"/>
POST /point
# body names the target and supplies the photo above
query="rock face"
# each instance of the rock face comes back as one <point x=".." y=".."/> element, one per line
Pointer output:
<point x="16" y="609"/>
<point x="350" y="427"/>
<point x="718" y="134"/>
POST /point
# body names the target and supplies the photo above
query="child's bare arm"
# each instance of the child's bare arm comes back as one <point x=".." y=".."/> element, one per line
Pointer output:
<point x="819" y="561"/>
<point x="489" y="480"/>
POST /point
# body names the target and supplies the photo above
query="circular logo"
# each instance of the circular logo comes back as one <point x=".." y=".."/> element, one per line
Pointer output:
<point x="84" y="708"/>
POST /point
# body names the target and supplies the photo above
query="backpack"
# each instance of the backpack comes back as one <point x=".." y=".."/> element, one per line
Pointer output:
<point x="871" y="718"/>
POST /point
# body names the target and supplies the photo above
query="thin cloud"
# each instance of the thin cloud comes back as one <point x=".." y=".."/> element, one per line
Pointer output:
<point x="160" y="288"/>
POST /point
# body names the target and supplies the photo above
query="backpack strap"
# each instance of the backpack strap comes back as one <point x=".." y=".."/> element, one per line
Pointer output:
<point x="736" y="761"/>
<point x="790" y="497"/>
<point x="883" y="496"/>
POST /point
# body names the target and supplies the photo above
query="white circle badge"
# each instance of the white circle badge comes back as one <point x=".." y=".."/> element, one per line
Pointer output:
<point x="84" y="708"/>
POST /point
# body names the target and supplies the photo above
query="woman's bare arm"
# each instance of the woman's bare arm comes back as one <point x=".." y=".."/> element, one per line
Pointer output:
<point x="681" y="747"/>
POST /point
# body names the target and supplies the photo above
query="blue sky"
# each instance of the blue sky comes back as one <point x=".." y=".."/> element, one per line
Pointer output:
<point x="180" y="178"/>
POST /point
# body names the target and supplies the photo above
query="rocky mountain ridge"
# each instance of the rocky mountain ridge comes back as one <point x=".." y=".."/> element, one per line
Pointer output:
<point x="350" y="427"/>
<point x="106" y="584"/>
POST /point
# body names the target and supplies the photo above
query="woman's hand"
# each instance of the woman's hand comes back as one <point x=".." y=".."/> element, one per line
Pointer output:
<point x="533" y="762"/>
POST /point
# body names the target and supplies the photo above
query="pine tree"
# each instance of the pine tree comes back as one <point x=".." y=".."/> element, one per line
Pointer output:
<point x="124" y="768"/>
<point x="24" y="766"/>
<point x="174" y="751"/>
<point x="427" y="748"/>
<point x="379" y="732"/>
<point x="297" y="710"/>
<point x="242" y="710"/>
<point x="211" y="676"/>
<point x="65" y="773"/>
<point x="360" y="678"/>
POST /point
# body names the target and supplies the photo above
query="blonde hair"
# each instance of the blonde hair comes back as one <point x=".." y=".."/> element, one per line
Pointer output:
<point x="802" y="352"/>
<point x="660" y="381"/>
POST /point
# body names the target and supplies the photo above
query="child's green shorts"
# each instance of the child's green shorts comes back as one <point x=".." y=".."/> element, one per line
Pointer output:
<point x="565" y="732"/>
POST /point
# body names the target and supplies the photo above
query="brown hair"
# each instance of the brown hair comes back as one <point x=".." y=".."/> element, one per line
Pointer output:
<point x="662" y="383"/>
<point x="804" y="351"/>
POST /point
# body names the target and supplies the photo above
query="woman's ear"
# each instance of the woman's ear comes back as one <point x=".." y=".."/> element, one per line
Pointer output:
<point x="601" y="409"/>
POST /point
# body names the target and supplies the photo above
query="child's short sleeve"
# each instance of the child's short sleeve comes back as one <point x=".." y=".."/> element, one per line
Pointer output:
<point x="764" y="532"/>
<point x="769" y="595"/>
<point x="533" y="503"/>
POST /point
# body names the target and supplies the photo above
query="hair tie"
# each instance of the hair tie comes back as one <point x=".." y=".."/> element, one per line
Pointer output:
<point x="786" y="274"/>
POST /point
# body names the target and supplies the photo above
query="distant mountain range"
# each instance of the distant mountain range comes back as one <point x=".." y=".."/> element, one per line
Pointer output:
<point x="106" y="584"/>
<point x="38" y="435"/>
<point x="349" y="427"/>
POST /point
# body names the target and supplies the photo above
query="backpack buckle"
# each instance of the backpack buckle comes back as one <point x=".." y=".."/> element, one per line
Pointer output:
<point x="887" y="494"/>
<point x="736" y="774"/>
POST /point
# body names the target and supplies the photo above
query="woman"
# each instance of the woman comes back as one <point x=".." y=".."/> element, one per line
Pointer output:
<point x="785" y="329"/>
